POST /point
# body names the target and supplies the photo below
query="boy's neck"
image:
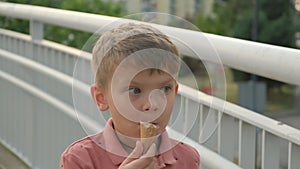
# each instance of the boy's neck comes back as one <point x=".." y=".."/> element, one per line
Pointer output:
<point x="128" y="143"/>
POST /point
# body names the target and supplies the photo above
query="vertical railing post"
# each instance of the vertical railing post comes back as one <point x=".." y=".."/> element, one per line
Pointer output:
<point x="227" y="136"/>
<point x="247" y="137"/>
<point x="293" y="156"/>
<point x="270" y="151"/>
<point x="36" y="30"/>
<point x="37" y="35"/>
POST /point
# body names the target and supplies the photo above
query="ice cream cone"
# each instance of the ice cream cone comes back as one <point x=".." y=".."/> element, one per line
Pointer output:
<point x="148" y="134"/>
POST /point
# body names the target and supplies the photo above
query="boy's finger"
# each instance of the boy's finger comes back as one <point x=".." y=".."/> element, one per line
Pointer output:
<point x="136" y="153"/>
<point x="151" y="151"/>
<point x="152" y="165"/>
<point x="142" y="163"/>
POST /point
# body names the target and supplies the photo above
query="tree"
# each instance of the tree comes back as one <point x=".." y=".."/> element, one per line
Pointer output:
<point x="65" y="36"/>
<point x="234" y="18"/>
<point x="277" y="23"/>
<point x="22" y="25"/>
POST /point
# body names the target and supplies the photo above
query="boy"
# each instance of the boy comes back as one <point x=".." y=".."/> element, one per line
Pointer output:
<point x="135" y="68"/>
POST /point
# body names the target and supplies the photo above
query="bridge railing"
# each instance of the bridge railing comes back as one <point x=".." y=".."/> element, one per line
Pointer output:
<point x="39" y="120"/>
<point x="46" y="120"/>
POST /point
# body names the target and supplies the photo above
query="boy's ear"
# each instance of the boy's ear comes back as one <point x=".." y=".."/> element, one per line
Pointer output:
<point x="97" y="93"/>
<point x="176" y="88"/>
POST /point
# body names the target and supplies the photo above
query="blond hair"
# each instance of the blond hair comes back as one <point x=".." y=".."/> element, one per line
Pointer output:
<point x="115" y="45"/>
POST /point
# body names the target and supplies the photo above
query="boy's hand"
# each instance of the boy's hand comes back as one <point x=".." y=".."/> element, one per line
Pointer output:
<point x="138" y="161"/>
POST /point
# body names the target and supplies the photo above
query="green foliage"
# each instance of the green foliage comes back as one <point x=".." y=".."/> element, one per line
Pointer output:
<point x="46" y="3"/>
<point x="94" y="6"/>
<point x="277" y="23"/>
<point x="14" y="24"/>
<point x="65" y="36"/>
<point x="77" y="38"/>
<point x="23" y="25"/>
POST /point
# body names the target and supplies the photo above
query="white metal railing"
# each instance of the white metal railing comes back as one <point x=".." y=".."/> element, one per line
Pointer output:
<point x="44" y="91"/>
<point x="41" y="127"/>
<point x="256" y="58"/>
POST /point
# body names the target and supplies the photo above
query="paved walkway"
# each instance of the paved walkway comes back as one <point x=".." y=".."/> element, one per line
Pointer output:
<point x="9" y="161"/>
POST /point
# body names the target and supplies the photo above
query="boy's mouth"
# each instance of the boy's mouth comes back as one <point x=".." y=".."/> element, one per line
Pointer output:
<point x="154" y="123"/>
<point x="148" y="123"/>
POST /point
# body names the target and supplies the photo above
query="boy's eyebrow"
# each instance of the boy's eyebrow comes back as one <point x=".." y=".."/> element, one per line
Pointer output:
<point x="167" y="81"/>
<point x="164" y="82"/>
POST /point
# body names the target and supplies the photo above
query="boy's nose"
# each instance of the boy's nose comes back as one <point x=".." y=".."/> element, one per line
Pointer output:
<point x="149" y="105"/>
<point x="146" y="106"/>
<point x="152" y="101"/>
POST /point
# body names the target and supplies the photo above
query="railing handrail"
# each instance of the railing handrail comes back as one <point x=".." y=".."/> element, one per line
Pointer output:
<point x="273" y="126"/>
<point x="252" y="57"/>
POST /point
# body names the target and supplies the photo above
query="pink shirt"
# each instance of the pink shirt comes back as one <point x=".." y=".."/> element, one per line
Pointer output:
<point x="89" y="153"/>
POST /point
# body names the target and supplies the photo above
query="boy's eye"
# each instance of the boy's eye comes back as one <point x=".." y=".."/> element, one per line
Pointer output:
<point x="134" y="90"/>
<point x="165" y="89"/>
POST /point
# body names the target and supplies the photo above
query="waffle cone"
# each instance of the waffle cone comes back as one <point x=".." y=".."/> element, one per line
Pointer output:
<point x="148" y="134"/>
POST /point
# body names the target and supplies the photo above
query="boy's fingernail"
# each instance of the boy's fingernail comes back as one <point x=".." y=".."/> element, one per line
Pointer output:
<point x="137" y="143"/>
<point x="153" y="145"/>
<point x="152" y="148"/>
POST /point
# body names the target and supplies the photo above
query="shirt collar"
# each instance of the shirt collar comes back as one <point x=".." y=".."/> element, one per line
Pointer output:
<point x="117" y="153"/>
<point x="114" y="148"/>
<point x="166" y="155"/>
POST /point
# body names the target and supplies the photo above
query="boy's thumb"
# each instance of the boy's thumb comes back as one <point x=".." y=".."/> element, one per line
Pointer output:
<point x="136" y="152"/>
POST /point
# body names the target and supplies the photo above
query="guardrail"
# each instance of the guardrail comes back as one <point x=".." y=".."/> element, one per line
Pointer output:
<point x="43" y="110"/>
<point x="252" y="57"/>
<point x="43" y="87"/>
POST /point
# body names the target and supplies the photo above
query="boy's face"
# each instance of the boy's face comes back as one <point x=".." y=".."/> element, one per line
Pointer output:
<point x="149" y="97"/>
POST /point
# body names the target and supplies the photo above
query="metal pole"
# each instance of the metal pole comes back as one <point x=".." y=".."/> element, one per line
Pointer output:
<point x="254" y="37"/>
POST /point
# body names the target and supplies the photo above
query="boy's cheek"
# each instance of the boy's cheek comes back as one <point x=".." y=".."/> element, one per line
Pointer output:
<point x="125" y="107"/>
<point x="129" y="106"/>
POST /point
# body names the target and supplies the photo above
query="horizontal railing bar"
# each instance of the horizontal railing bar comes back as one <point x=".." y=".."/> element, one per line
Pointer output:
<point x="274" y="62"/>
<point x="208" y="157"/>
<point x="91" y="124"/>
<point x="16" y="35"/>
<point x="262" y="59"/>
<point x="45" y="70"/>
<point x="64" y="18"/>
<point x="273" y="126"/>
<point x="56" y="46"/>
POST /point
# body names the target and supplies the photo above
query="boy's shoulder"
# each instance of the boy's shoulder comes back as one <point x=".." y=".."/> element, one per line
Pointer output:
<point x="85" y="153"/>
<point x="185" y="150"/>
<point x="84" y="145"/>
